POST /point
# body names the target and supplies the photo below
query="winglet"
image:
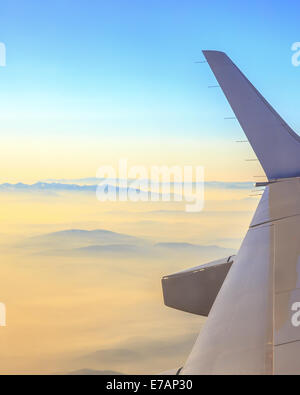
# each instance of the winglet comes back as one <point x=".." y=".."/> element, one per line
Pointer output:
<point x="276" y="145"/>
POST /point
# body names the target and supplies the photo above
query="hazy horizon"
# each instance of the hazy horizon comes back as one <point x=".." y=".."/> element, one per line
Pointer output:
<point x="71" y="306"/>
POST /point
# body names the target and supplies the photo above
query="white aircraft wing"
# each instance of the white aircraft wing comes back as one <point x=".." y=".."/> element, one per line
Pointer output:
<point x="253" y="326"/>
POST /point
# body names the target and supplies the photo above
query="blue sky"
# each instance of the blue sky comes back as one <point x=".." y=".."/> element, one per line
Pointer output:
<point x="126" y="67"/>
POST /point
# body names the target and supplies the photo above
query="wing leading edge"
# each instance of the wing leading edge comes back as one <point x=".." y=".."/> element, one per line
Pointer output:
<point x="276" y="145"/>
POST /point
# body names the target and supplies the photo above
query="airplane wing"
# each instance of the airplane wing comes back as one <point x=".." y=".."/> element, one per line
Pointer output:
<point x="253" y="326"/>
